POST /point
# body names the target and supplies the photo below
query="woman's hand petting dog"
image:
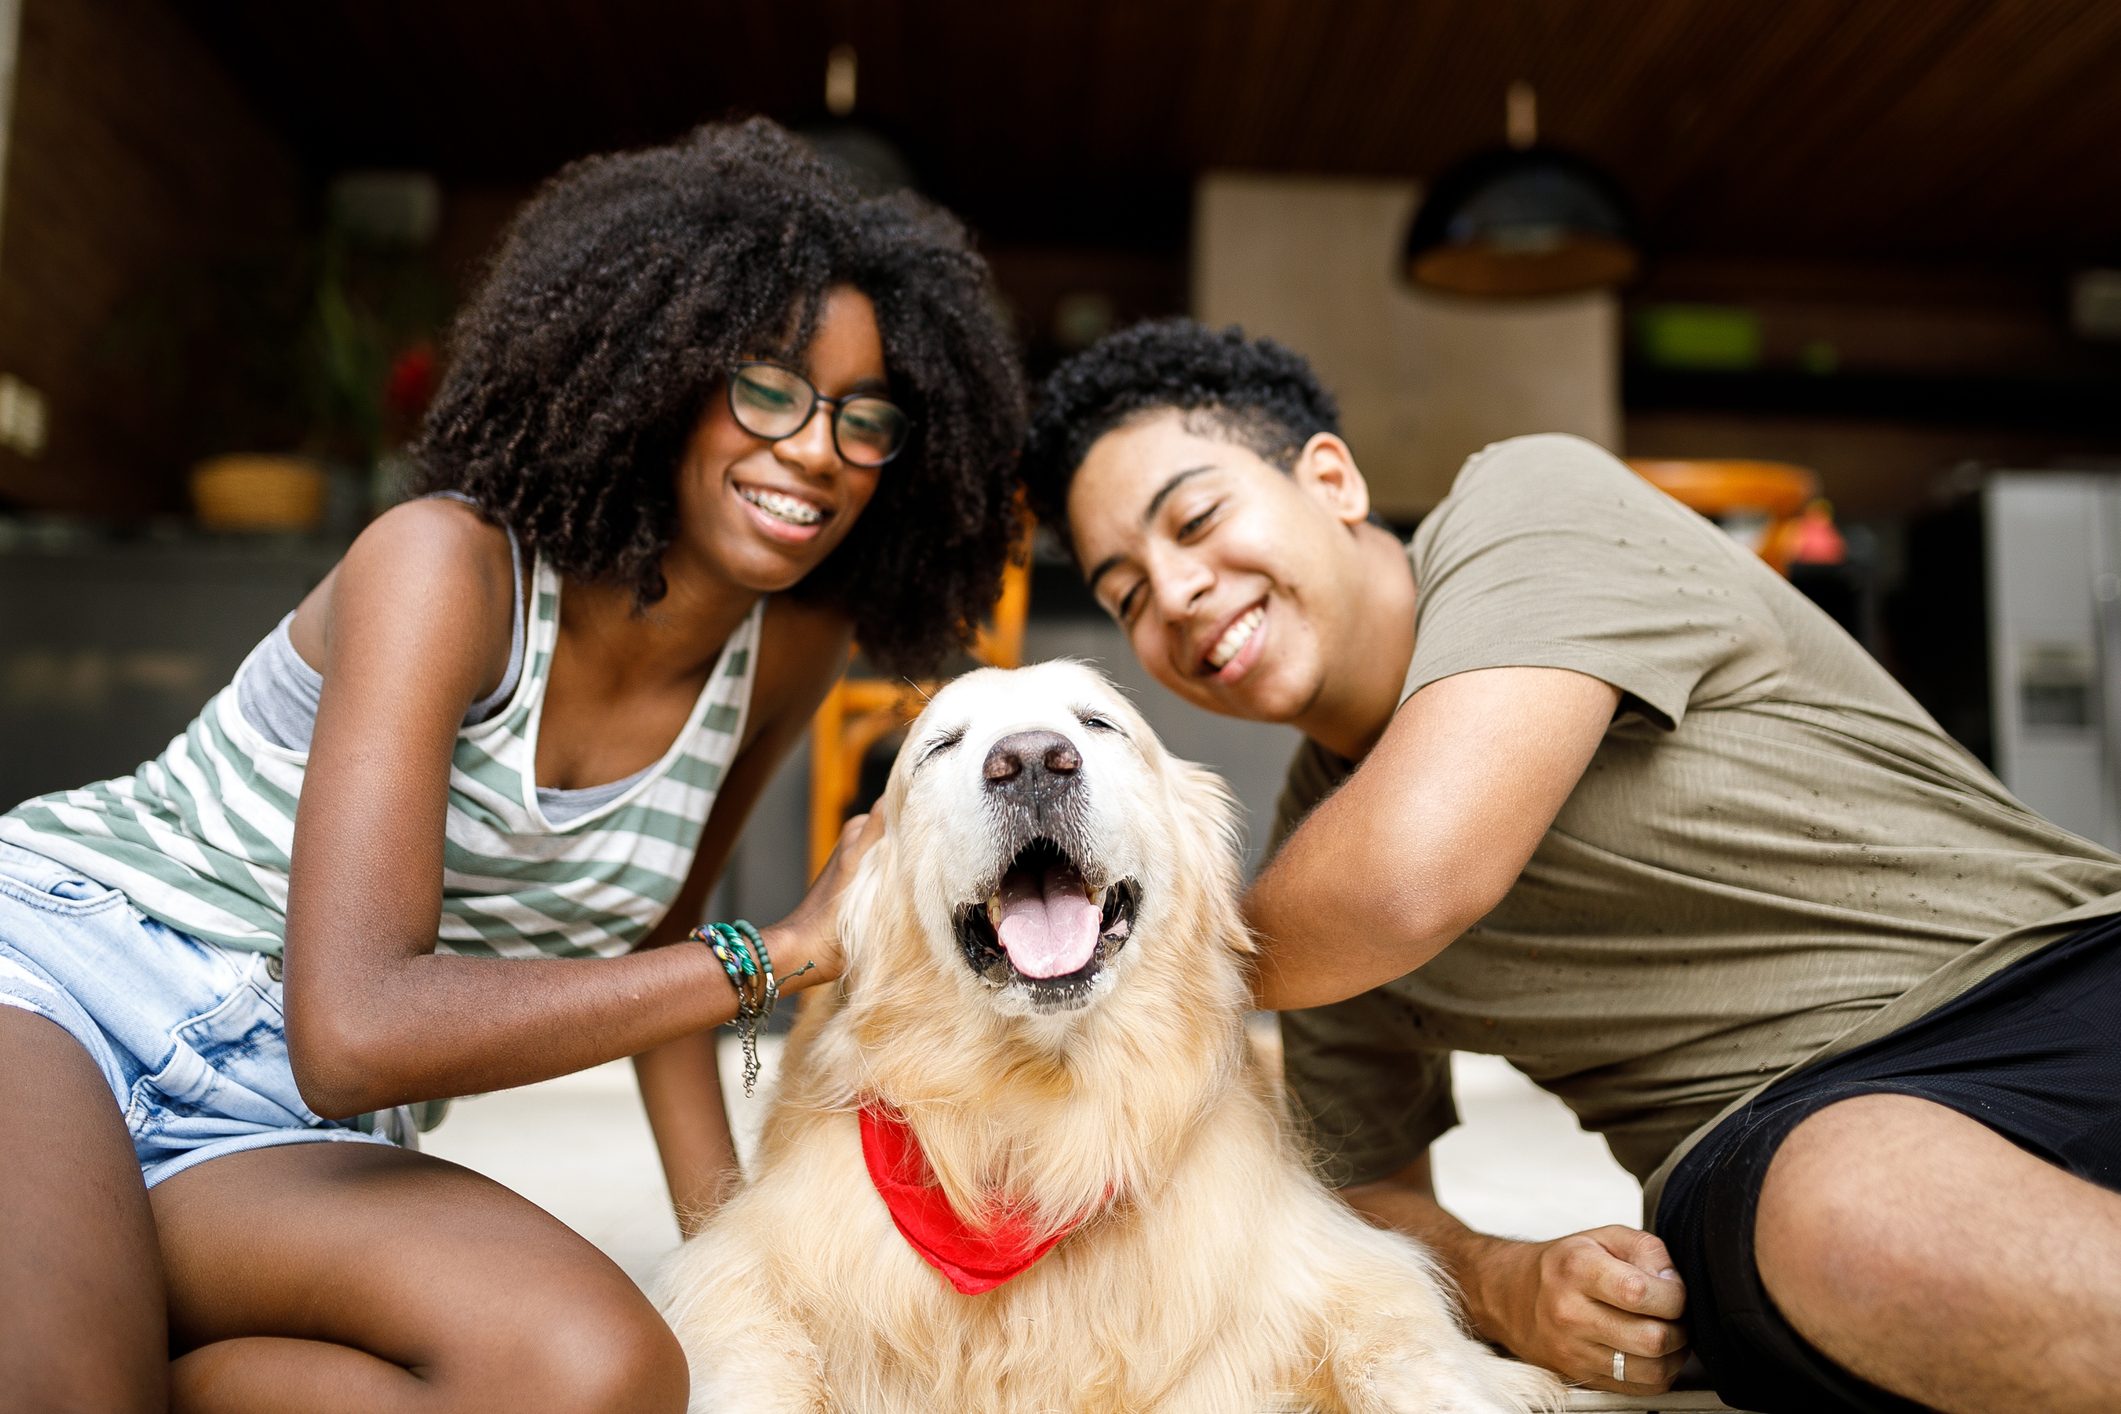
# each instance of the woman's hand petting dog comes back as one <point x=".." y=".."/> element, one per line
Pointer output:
<point x="806" y="944"/>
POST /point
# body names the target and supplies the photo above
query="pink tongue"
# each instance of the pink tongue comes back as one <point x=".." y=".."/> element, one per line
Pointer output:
<point x="1048" y="928"/>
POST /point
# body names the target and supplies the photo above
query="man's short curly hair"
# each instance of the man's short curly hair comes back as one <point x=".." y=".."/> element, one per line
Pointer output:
<point x="611" y="312"/>
<point x="1252" y="392"/>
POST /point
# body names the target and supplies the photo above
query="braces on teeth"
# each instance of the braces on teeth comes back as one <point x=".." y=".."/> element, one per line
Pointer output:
<point x="788" y="508"/>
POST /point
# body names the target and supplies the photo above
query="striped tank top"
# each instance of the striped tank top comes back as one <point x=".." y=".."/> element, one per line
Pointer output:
<point x="199" y="837"/>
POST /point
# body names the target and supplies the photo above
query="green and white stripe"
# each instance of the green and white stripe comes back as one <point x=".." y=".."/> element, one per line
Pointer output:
<point x="200" y="837"/>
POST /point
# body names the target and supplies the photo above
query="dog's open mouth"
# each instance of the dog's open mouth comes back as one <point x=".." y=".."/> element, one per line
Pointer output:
<point x="1046" y="928"/>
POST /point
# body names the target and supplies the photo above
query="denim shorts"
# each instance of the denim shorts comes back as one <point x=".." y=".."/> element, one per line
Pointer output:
<point x="188" y="1034"/>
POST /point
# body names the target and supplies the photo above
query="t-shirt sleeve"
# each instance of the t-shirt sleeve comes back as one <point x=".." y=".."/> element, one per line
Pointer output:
<point x="1369" y="1095"/>
<point x="1549" y="552"/>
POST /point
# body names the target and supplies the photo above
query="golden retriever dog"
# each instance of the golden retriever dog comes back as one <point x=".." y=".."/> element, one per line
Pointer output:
<point x="1024" y="1158"/>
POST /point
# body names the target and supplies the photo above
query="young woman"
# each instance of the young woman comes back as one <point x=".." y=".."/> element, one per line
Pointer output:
<point x="709" y="417"/>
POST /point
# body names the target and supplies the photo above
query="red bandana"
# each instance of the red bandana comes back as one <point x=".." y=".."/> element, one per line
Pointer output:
<point x="974" y="1259"/>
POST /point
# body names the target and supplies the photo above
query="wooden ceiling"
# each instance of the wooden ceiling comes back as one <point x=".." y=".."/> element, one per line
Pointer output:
<point x="1948" y="129"/>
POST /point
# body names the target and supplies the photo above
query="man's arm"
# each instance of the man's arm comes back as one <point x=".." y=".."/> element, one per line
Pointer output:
<point x="1427" y="835"/>
<point x="1566" y="1305"/>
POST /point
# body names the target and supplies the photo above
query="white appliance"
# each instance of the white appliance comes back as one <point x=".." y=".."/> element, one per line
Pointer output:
<point x="2053" y="549"/>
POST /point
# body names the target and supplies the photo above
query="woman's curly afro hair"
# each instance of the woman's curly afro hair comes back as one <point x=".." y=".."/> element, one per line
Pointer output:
<point x="611" y="312"/>
<point x="1252" y="392"/>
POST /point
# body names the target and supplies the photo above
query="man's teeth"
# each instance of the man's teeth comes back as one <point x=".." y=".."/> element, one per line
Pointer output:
<point x="1236" y="636"/>
<point x="792" y="509"/>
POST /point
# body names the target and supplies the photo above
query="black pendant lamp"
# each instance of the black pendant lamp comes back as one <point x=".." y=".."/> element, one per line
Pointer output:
<point x="861" y="154"/>
<point x="1521" y="221"/>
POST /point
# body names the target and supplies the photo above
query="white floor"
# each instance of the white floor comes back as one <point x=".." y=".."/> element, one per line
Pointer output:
<point x="579" y="1148"/>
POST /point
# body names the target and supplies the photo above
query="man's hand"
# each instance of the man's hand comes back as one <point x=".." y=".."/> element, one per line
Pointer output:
<point x="1565" y="1305"/>
<point x="1571" y="1303"/>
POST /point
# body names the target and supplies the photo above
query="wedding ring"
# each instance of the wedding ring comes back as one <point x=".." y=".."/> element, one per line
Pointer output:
<point x="1620" y="1367"/>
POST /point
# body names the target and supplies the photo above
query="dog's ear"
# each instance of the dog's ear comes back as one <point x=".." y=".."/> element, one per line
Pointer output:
<point x="866" y="902"/>
<point x="1212" y="836"/>
<point x="1207" y="798"/>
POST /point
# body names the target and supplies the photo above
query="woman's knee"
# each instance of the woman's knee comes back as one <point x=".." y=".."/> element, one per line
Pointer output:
<point x="594" y="1351"/>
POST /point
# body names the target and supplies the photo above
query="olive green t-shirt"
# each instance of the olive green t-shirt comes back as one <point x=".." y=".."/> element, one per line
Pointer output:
<point x="1774" y="855"/>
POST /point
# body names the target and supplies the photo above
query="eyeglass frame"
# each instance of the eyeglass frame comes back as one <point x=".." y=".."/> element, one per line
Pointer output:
<point x="836" y="404"/>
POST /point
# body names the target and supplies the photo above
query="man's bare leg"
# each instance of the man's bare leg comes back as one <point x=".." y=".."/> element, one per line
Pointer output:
<point x="1926" y="1253"/>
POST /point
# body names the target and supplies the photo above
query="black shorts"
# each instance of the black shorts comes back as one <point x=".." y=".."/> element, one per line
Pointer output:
<point x="2033" y="1052"/>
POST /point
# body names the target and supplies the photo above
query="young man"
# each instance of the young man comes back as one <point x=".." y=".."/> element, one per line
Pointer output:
<point x="1586" y="785"/>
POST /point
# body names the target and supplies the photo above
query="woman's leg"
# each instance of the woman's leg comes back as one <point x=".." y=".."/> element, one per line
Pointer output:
<point x="80" y="1279"/>
<point x="359" y="1277"/>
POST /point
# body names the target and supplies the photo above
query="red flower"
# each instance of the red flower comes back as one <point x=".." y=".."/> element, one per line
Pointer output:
<point x="411" y="382"/>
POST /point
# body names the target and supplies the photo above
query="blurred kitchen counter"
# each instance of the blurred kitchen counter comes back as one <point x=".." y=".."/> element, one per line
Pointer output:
<point x="111" y="642"/>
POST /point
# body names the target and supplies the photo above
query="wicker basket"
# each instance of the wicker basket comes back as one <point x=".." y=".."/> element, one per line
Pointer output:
<point x="251" y="492"/>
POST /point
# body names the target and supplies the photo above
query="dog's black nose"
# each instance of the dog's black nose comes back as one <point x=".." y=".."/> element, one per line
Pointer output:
<point x="1035" y="763"/>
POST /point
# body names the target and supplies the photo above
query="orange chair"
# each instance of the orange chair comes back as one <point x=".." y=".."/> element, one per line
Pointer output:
<point x="1777" y="492"/>
<point x="859" y="711"/>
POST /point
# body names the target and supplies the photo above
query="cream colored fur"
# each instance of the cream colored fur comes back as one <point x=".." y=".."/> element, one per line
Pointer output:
<point x="1221" y="1278"/>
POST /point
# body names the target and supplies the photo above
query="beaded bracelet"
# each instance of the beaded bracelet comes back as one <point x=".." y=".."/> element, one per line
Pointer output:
<point x="769" y="989"/>
<point x="739" y="961"/>
<point x="749" y="967"/>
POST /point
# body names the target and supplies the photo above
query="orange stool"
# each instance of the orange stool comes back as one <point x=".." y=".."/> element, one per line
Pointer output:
<point x="1777" y="492"/>
<point x="859" y="711"/>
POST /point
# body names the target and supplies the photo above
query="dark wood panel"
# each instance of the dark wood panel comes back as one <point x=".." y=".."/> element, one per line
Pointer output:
<point x="135" y="164"/>
<point x="1922" y="127"/>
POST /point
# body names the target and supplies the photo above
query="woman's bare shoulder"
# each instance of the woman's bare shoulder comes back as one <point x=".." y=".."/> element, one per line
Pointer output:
<point x="439" y="540"/>
<point x="436" y="560"/>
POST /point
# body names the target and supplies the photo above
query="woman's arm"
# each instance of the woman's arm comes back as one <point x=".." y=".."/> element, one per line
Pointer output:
<point x="375" y="1017"/>
<point x="1427" y="835"/>
<point x="800" y="657"/>
<point x="681" y="1083"/>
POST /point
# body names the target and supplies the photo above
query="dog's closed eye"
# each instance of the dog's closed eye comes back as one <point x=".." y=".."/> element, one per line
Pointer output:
<point x="1097" y="722"/>
<point x="936" y="746"/>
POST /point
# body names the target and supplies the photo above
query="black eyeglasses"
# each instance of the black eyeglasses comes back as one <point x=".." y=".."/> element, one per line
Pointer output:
<point x="773" y="402"/>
